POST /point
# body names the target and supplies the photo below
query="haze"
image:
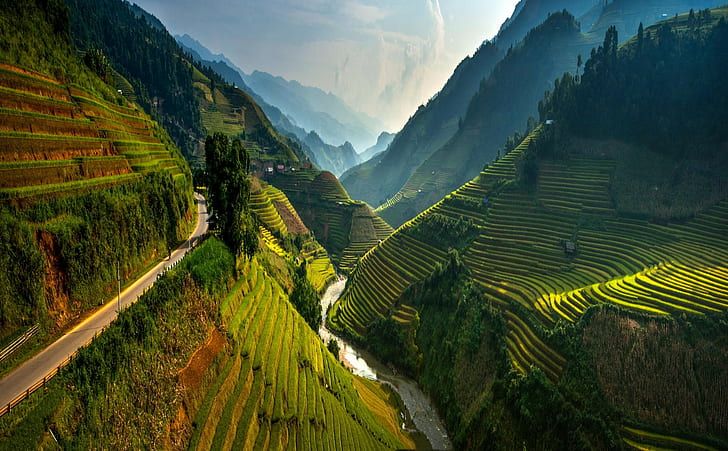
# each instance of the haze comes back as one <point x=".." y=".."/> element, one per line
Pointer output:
<point x="383" y="57"/>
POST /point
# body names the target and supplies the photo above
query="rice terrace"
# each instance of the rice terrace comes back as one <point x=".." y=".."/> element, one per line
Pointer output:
<point x="364" y="225"/>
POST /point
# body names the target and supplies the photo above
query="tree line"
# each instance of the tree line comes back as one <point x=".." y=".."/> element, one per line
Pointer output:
<point x="664" y="89"/>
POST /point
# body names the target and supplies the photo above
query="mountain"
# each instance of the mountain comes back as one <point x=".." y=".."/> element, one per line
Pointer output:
<point x="309" y="108"/>
<point x="331" y="158"/>
<point x="573" y="292"/>
<point x="204" y="53"/>
<point x="336" y="159"/>
<point x="507" y="98"/>
<point x="430" y="127"/>
<point x="232" y="76"/>
<point x="528" y="14"/>
<point x="314" y="109"/>
<point x="383" y="141"/>
<point x="435" y="123"/>
<point x="167" y="82"/>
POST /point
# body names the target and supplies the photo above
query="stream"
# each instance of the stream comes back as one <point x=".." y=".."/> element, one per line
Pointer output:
<point x="419" y="406"/>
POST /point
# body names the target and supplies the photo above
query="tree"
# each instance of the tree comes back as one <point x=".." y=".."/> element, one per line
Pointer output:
<point x="333" y="347"/>
<point x="578" y="64"/>
<point x="305" y="298"/>
<point x="227" y="167"/>
<point x="98" y="63"/>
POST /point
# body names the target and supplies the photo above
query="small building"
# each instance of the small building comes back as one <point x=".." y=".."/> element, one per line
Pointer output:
<point x="281" y="168"/>
<point x="268" y="168"/>
<point x="550" y="122"/>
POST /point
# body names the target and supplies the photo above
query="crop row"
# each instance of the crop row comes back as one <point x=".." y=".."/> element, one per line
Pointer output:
<point x="19" y="122"/>
<point x="266" y="212"/>
<point x="7" y="194"/>
<point x="280" y="388"/>
<point x="62" y="172"/>
<point x="20" y="101"/>
<point x="381" y="276"/>
<point x="32" y="85"/>
<point x="18" y="147"/>
<point x="272" y="242"/>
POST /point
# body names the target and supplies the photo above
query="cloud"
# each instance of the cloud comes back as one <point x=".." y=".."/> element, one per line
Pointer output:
<point x="384" y="57"/>
<point x="364" y="13"/>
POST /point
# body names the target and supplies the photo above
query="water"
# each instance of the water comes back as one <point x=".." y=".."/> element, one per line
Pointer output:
<point x="419" y="406"/>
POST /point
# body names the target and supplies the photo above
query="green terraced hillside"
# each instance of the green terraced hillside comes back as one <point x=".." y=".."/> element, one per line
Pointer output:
<point x="227" y="109"/>
<point x="88" y="182"/>
<point x="279" y="222"/>
<point x="520" y="257"/>
<point x="346" y="228"/>
<point x="59" y="139"/>
<point x="279" y="388"/>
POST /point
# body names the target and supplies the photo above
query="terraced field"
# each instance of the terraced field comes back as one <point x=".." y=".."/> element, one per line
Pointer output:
<point x="521" y="256"/>
<point x="347" y="228"/>
<point x="646" y="440"/>
<point x="281" y="389"/>
<point x="275" y="212"/>
<point x="57" y="139"/>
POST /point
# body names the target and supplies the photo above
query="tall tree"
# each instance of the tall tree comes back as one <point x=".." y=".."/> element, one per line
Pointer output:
<point x="228" y="185"/>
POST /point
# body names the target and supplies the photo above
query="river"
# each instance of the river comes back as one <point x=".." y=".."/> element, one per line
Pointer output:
<point x="419" y="406"/>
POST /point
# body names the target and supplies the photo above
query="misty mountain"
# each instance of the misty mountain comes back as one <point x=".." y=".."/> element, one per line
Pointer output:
<point x="509" y="96"/>
<point x="435" y="123"/>
<point x="336" y="159"/>
<point x="331" y="158"/>
<point x="306" y="107"/>
<point x="314" y="109"/>
<point x="384" y="140"/>
<point x="231" y="74"/>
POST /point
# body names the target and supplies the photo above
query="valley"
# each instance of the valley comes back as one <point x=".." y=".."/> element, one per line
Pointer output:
<point x="197" y="256"/>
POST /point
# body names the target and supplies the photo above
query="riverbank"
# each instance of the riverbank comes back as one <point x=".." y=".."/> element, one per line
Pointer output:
<point x="420" y="409"/>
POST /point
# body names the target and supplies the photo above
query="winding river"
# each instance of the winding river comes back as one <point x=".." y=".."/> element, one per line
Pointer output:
<point x="419" y="406"/>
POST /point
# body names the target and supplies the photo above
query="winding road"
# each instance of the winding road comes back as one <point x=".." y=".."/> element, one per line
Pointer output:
<point x="33" y="371"/>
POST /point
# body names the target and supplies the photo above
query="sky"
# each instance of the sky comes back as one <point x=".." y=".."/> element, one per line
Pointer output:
<point x="382" y="57"/>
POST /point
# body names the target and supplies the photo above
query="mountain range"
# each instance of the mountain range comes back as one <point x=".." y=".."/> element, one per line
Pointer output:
<point x="489" y="97"/>
<point x="298" y="110"/>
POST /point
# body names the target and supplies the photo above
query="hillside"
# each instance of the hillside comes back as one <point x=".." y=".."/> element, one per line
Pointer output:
<point x="88" y="182"/>
<point x="231" y="74"/>
<point x="189" y="100"/>
<point x="346" y="228"/>
<point x="433" y="124"/>
<point x="197" y="363"/>
<point x="502" y="104"/>
<point x="227" y="109"/>
<point x="545" y="280"/>
<point x="285" y="234"/>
